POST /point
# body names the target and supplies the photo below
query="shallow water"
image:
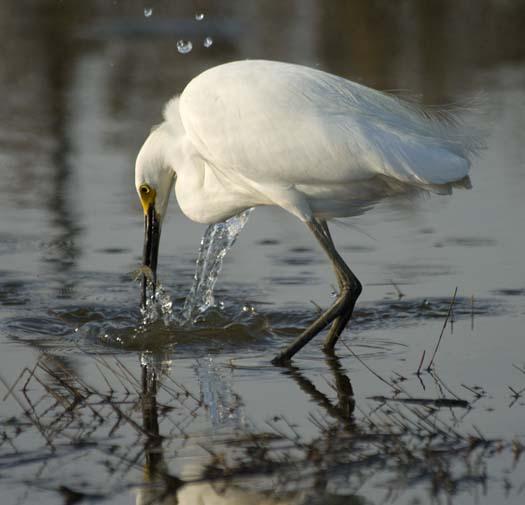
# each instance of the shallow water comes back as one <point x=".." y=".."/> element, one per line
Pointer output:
<point x="113" y="409"/>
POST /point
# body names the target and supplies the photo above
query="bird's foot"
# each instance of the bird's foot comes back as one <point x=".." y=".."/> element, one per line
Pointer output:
<point x="340" y="310"/>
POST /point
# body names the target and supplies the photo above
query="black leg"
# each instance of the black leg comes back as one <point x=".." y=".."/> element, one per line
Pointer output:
<point x="341" y="311"/>
<point x="341" y="321"/>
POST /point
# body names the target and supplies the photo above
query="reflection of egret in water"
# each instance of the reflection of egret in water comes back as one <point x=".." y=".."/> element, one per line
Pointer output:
<point x="223" y="404"/>
<point x="161" y="488"/>
<point x="344" y="408"/>
<point x="153" y="446"/>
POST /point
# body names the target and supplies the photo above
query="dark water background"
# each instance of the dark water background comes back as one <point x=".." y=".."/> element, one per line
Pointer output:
<point x="81" y="85"/>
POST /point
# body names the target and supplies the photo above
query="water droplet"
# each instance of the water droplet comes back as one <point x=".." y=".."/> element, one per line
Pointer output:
<point x="208" y="41"/>
<point x="148" y="11"/>
<point x="184" y="46"/>
<point x="199" y="16"/>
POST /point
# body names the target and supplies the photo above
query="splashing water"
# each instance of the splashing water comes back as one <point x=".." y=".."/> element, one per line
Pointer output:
<point x="216" y="242"/>
<point x="157" y="306"/>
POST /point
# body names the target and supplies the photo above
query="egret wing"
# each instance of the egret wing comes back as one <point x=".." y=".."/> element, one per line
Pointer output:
<point x="281" y="123"/>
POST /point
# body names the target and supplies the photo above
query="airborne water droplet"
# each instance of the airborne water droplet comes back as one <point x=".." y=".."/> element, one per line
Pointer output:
<point x="199" y="16"/>
<point x="208" y="41"/>
<point x="148" y="11"/>
<point x="184" y="46"/>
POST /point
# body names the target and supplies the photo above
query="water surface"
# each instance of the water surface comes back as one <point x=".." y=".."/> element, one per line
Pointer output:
<point x="119" y="411"/>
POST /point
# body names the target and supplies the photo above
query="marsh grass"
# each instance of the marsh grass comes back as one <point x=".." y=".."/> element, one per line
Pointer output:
<point x="131" y="425"/>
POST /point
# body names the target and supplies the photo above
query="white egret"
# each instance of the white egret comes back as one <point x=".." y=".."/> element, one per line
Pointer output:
<point x="252" y="133"/>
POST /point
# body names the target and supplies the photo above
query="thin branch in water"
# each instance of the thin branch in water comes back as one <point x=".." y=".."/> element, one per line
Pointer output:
<point x="400" y="293"/>
<point x="34" y="420"/>
<point x="472" y="312"/>
<point x="439" y="382"/>
<point x="127" y="372"/>
<point x="20" y="375"/>
<point x="394" y="387"/>
<point x="421" y="382"/>
<point x="477" y="394"/>
<point x="421" y="363"/>
<point x="318" y="308"/>
<point x="116" y="373"/>
<point x="522" y="370"/>
<point x="110" y="388"/>
<point x="480" y="435"/>
<point x="429" y="367"/>
<point x="516" y="394"/>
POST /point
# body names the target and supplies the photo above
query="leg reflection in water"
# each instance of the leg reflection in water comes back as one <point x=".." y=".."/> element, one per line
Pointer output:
<point x="229" y="486"/>
<point x="344" y="408"/>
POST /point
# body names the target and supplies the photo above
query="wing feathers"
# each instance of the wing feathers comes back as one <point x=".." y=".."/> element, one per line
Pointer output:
<point x="278" y="122"/>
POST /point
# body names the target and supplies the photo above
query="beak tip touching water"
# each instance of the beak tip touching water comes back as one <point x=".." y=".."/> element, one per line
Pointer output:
<point x="151" y="250"/>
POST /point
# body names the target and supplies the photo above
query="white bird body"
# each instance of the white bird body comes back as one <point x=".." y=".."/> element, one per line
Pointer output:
<point x="252" y="133"/>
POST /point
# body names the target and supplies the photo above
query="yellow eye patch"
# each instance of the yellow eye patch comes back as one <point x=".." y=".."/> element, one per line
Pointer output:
<point x="147" y="197"/>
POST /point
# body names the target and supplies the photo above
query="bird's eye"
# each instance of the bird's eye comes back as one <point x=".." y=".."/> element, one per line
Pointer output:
<point x="144" y="189"/>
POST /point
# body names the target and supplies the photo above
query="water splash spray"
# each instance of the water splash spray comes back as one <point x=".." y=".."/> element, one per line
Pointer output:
<point x="216" y="242"/>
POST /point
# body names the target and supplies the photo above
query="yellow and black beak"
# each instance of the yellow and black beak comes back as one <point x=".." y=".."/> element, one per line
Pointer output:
<point x="151" y="243"/>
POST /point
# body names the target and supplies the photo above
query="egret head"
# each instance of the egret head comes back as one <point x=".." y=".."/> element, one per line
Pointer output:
<point x="154" y="179"/>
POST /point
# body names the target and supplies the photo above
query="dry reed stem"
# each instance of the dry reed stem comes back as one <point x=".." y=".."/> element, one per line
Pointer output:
<point x="443" y="329"/>
<point x="393" y="386"/>
<point x="418" y="372"/>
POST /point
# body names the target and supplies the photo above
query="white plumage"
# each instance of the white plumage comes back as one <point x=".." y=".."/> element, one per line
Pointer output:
<point x="264" y="123"/>
<point x="252" y="133"/>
